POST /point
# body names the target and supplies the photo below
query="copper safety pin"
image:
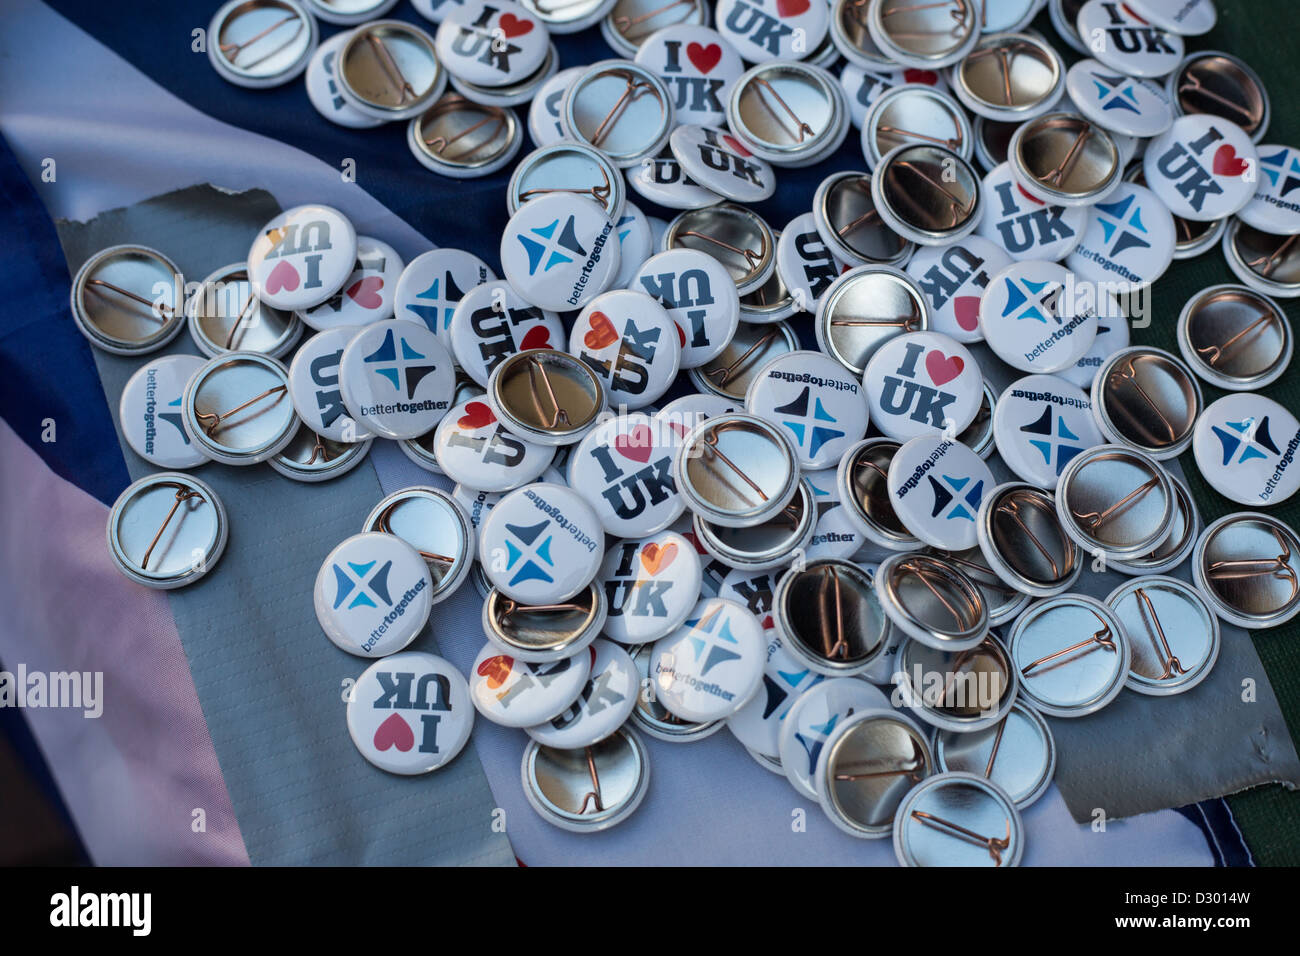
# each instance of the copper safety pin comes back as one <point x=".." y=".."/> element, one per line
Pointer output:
<point x="560" y="417"/>
<point x="953" y="142"/>
<point x="211" y="421"/>
<point x="1004" y="61"/>
<point x="802" y="128"/>
<point x="1157" y="632"/>
<point x="1101" y="638"/>
<point x="1236" y="569"/>
<point x="167" y="310"/>
<point x="629" y="94"/>
<point x="1193" y="84"/>
<point x="232" y="50"/>
<point x="997" y="745"/>
<point x="384" y="523"/>
<point x="1012" y="510"/>
<point x="1212" y="353"/>
<point x="239" y="320"/>
<point x="1055" y="175"/>
<point x="1128" y="374"/>
<point x="389" y="66"/>
<point x="492" y="115"/>
<point x="709" y="445"/>
<point x="830" y="575"/>
<point x="924" y="574"/>
<point x="866" y="216"/>
<point x="1269" y="262"/>
<point x="909" y="323"/>
<point x="913" y="771"/>
<point x="319" y="450"/>
<point x="958" y="13"/>
<point x="625" y="23"/>
<point x="182" y="494"/>
<point x="982" y="576"/>
<point x="508" y="607"/>
<point x="1093" y="520"/>
<point x="726" y="372"/>
<point x="868" y="463"/>
<point x="594" y="793"/>
<point x="751" y="257"/>
<point x="995" y="845"/>
<point x="957" y="208"/>
<point x="599" y="193"/>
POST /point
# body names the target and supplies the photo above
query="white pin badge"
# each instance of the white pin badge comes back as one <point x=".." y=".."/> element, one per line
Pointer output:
<point x="492" y="323"/>
<point x="953" y="279"/>
<point x="491" y="44"/>
<point x="314" y="386"/>
<point x="651" y="585"/>
<point x="814" y="717"/>
<point x="624" y="467"/>
<point x="1130" y="238"/>
<point x="698" y="66"/>
<point x="515" y="693"/>
<point x="1275" y="207"/>
<point x="323" y="88"/>
<point x="816" y="400"/>
<point x="763" y="30"/>
<point x="1119" y="102"/>
<point x="559" y="251"/>
<point x="712" y="665"/>
<point x="1245" y="445"/>
<point x="1026" y="227"/>
<point x="631" y="343"/>
<point x="606" y="700"/>
<point x="1122" y="40"/>
<point x="922" y="383"/>
<point x="541" y="544"/>
<point x="367" y="294"/>
<point x="636" y="243"/>
<point x="936" y="487"/>
<point x="1035" y="320"/>
<point x="151" y="414"/>
<point x="474" y="450"/>
<point x="1040" y="423"/>
<point x="433" y="283"/>
<point x="1203" y="168"/>
<point x="397" y="379"/>
<point x="758" y="724"/>
<point x="662" y="180"/>
<point x="700" y="297"/>
<point x="373" y="594"/>
<point x="805" y="264"/>
<point x="719" y="162"/>
<point x="1112" y="336"/>
<point x="302" y="257"/>
<point x="410" y="713"/>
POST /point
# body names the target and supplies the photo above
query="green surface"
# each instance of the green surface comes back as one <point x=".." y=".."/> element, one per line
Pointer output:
<point x="1263" y="33"/>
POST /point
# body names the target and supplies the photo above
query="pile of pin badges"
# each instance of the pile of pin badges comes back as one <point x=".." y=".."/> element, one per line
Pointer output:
<point x="799" y="529"/>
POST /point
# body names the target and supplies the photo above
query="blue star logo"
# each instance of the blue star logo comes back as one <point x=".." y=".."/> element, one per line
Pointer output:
<point x="1116" y="92"/>
<point x="353" y="578"/>
<point x="709" y="636"/>
<point x="1050" y="446"/>
<point x="1245" y="440"/>
<point x="1275" y="166"/>
<point x="1115" y="216"/>
<point x="1027" y="300"/>
<point x="443" y="294"/>
<point x="530" y="553"/>
<point x="965" y="500"/>
<point x="544" y="244"/>
<point x="174" y="419"/>
<point x="387" y="364"/>
<point x="816" y="435"/>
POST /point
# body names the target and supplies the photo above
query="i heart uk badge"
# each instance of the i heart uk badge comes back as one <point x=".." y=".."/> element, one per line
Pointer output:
<point x="763" y="30"/>
<point x="700" y="296"/>
<point x="1203" y="168"/>
<point x="953" y="279"/>
<point x="1025" y="226"/>
<point x="473" y="449"/>
<point x="922" y="383"/>
<point x="515" y="693"/>
<point x="302" y="257"/>
<point x="603" y="705"/>
<point x="368" y="293"/>
<point x="698" y="66"/>
<point x="625" y="467"/>
<point x="491" y="44"/>
<point x="805" y="264"/>
<point x="492" y="323"/>
<point x="754" y="590"/>
<point x="631" y="343"/>
<point x="410" y="713"/>
<point x="650" y="585"/>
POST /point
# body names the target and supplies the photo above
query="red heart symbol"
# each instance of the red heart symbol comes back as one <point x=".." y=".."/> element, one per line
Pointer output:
<point x="681" y="336"/>
<point x="636" y="444"/>
<point x="703" y="57"/>
<point x="690" y="536"/>
<point x="920" y="76"/>
<point x="365" y="292"/>
<point x="538" y="337"/>
<point x="1228" y="163"/>
<point x="791" y="8"/>
<point x="602" y="331"/>
<point x="1033" y="199"/>
<point x="477" y="415"/>
<point x="942" y="368"/>
<point x="735" y="145"/>
<point x="967" y="308"/>
<point x="513" y="26"/>
<point x="394" y="732"/>
<point x="655" y="558"/>
<point x="496" y="670"/>
<point x="283" y="276"/>
<point x="679" y="428"/>
<point x="768" y="623"/>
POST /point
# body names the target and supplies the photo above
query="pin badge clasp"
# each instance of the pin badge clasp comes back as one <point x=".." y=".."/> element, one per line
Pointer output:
<point x="995" y="845"/>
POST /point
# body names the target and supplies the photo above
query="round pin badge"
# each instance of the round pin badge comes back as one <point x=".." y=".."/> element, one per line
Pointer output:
<point x="1112" y="337"/>
<point x="314" y="386"/>
<point x="1072" y="653"/>
<point x="366" y="295"/>
<point x="811" y="718"/>
<point x="1130" y="236"/>
<point x="927" y="194"/>
<point x="1064" y="15"/>
<point x="626" y="466"/>
<point x="698" y="66"/>
<point x="958" y="819"/>
<point x="1025" y="226"/>
<point x="651" y="586"/>
<point x="830" y="618"/>
<point x="1023" y="543"/>
<point x="389" y="69"/>
<point x="226" y="316"/>
<point x="700" y="297"/>
<point x="464" y="139"/>
<point x="492" y="322"/>
<point x="926" y="36"/>
<point x="661" y="180"/>
<point x="1034" y="319"/>
<point x="310" y="458"/>
<point x="736" y="470"/>
<point x="1147" y="399"/>
<point x="514" y="693"/>
<point x="396" y="379"/>
<point x="976" y="690"/>
<point x="1174" y="634"/>
<point x="323" y="88"/>
<point x="773" y="543"/>
<point x="933" y="602"/>
<point x="862" y="482"/>
<point x="1174" y="550"/>
<point x="410" y="713"/>
<point x="262" y="43"/>
<point x="754" y="344"/>
<point x="846" y="218"/>
<point x="373" y="594"/>
<point x="816" y="400"/>
<point x="620" y="108"/>
<point x="758" y="724"/>
<point x="865" y="83"/>
<point x="1018" y="753"/>
<point x="954" y="279"/>
<point x="937" y="486"/>
<point x="1244" y="445"/>
<point x="542" y="634"/>
<point x="865" y="308"/>
<point x="546" y="396"/>
<point x="433" y="283"/>
<point x="1267" y="263"/>
<point x="1119" y="102"/>
<point x="1116" y="502"/>
<point x="716" y="160"/>
<point x="1010" y="77"/>
<point x="764" y="30"/>
<point x="805" y="263"/>
<point x="1235" y="338"/>
<point x="1246" y="565"/>
<point x="472" y="448"/>
<point x="604" y="703"/>
<point x="302" y="257"/>
<point x="491" y="44"/>
<point x="735" y="236"/>
<point x="1123" y="41"/>
<point x="922" y="383"/>
<point x="150" y="412"/>
<point x="437" y="525"/>
<point x="128" y="300"/>
<point x="1219" y="84"/>
<point x="567" y="167"/>
<point x="913" y="114"/>
<point x="631" y="343"/>
<point x="1275" y="207"/>
<point x="167" y="530"/>
<point x="712" y="665"/>
<point x="554" y="782"/>
<point x="1037" y="156"/>
<point x="1185" y="17"/>
<point x="544" y="125"/>
<point x="236" y="410"/>
<point x="541" y="544"/>
<point x="755" y="114"/>
<point x="1203" y="168"/>
<point x="556" y="252"/>
<point x="1040" y="424"/>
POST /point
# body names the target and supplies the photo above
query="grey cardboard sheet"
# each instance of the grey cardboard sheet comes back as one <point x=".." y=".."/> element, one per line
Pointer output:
<point x="270" y="683"/>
